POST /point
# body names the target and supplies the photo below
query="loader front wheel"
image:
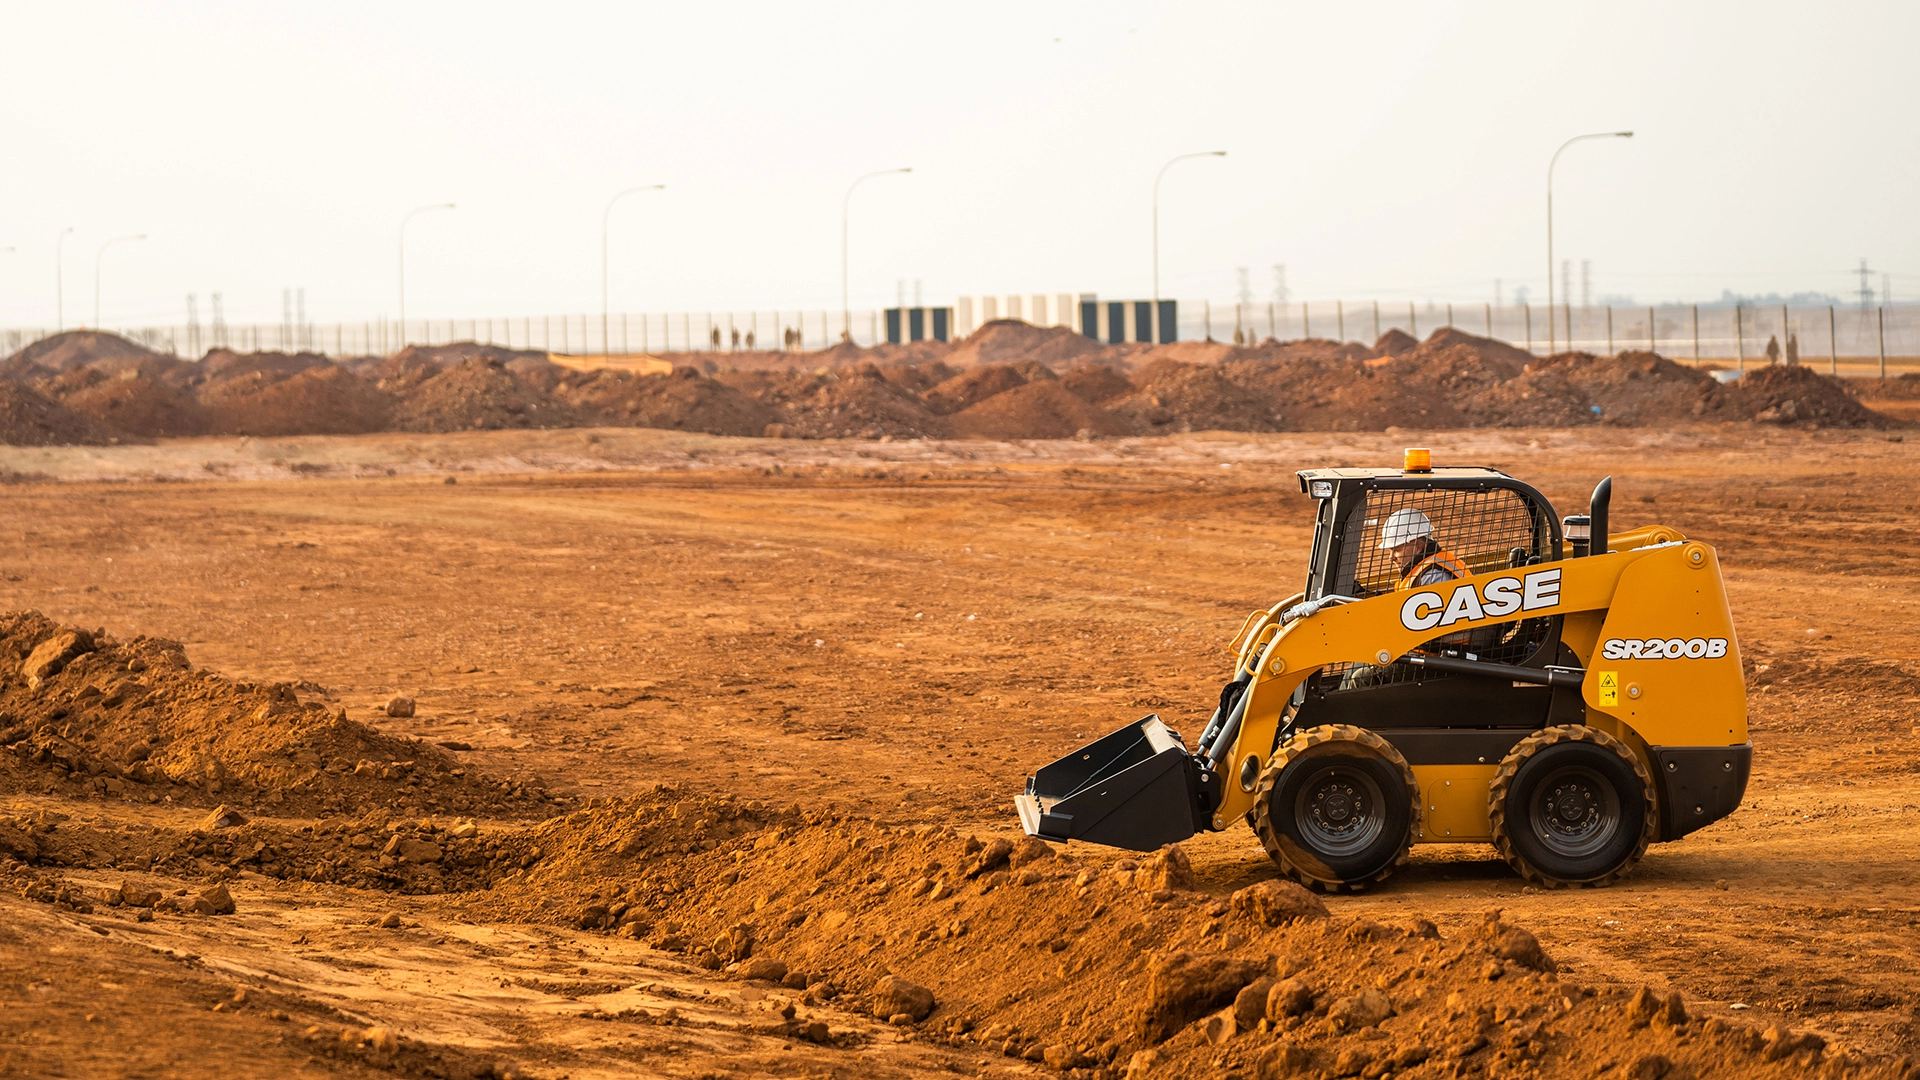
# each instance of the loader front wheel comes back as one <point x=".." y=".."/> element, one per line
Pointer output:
<point x="1336" y="807"/>
<point x="1571" y="805"/>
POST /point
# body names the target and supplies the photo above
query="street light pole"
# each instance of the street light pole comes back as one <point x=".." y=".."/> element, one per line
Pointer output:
<point x="101" y="254"/>
<point x="604" y="338"/>
<point x="59" y="282"/>
<point x="1550" y="163"/>
<point x="846" y="305"/>
<point x="403" y="263"/>
<point x="1156" y="218"/>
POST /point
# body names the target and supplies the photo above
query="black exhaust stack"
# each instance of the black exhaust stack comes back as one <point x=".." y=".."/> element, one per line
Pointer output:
<point x="1597" y="516"/>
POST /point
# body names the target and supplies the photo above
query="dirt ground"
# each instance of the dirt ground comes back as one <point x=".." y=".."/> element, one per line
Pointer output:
<point x="900" y="632"/>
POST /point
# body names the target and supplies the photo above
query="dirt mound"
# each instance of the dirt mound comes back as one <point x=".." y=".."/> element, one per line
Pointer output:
<point x="683" y="401"/>
<point x="918" y="378"/>
<point x="79" y="348"/>
<point x="1021" y="951"/>
<point x="1797" y="394"/>
<point x="28" y="418"/>
<point x="323" y="400"/>
<point x="1497" y="354"/>
<point x="475" y="395"/>
<point x="1395" y="342"/>
<point x="1636" y="387"/>
<point x="1098" y="383"/>
<point x="1175" y="396"/>
<point x="92" y="717"/>
<point x="976" y="384"/>
<point x="1042" y="409"/>
<point x="1310" y="349"/>
<point x="446" y="356"/>
<point x="1900" y="388"/>
<point x="1345" y="395"/>
<point x="1186" y="352"/>
<point x="1010" y="340"/>
<point x="1450" y="368"/>
<point x="1533" y="399"/>
<point x="853" y="404"/>
<point x="223" y="364"/>
<point x="138" y="405"/>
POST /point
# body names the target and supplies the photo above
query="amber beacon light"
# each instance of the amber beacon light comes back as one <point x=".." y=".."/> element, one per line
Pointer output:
<point x="1419" y="459"/>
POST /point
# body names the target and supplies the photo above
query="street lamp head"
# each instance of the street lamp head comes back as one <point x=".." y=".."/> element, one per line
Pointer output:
<point x="1218" y="153"/>
<point x="1623" y="134"/>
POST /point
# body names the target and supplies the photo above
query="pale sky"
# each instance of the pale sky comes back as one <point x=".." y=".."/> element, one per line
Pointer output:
<point x="1392" y="151"/>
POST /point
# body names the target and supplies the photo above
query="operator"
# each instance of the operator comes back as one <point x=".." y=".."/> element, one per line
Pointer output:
<point x="1408" y="535"/>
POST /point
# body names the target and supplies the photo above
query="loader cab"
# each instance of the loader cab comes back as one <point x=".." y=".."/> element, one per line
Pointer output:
<point x="1486" y="520"/>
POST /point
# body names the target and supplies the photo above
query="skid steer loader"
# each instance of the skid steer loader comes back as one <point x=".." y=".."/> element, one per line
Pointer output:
<point x="1462" y="667"/>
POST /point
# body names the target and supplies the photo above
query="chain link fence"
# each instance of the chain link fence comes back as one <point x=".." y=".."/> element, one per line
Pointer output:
<point x="1848" y="339"/>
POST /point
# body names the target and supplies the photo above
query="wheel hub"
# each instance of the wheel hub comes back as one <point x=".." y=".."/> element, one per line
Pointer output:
<point x="1339" y="811"/>
<point x="1575" y="811"/>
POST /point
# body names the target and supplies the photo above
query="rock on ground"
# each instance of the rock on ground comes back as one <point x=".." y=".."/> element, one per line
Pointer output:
<point x="894" y="995"/>
<point x="1182" y="987"/>
<point x="1275" y="902"/>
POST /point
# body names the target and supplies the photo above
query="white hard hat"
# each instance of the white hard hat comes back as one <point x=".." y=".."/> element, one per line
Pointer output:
<point x="1402" y="526"/>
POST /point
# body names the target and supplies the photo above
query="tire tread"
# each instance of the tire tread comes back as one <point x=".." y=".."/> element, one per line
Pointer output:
<point x="1269" y="833"/>
<point x="1522" y="752"/>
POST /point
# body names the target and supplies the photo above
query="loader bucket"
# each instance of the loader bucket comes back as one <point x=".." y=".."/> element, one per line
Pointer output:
<point x="1137" y="788"/>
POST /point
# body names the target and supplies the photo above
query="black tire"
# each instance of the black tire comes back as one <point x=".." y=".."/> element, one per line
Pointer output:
<point x="1572" y="805"/>
<point x="1336" y="807"/>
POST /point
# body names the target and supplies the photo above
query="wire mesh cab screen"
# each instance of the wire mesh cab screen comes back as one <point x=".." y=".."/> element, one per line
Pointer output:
<point x="1494" y="529"/>
<point x="1475" y="524"/>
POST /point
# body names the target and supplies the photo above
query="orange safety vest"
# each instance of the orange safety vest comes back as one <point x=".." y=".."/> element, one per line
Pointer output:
<point x="1441" y="558"/>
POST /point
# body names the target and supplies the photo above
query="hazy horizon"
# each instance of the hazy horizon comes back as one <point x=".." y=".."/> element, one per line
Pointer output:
<point x="1396" y="153"/>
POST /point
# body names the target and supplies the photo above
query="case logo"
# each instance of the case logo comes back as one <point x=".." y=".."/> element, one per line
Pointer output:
<point x="1427" y="609"/>
<point x="1663" y="648"/>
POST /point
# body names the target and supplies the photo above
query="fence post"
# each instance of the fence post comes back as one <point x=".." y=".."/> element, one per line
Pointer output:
<point x="1880" y="316"/>
<point x="1609" y="330"/>
<point x="1833" y="345"/>
<point x="1306" y="322"/>
<point x="1651" y="337"/>
<point x="1273" y="330"/>
<point x="1786" y="333"/>
<point x="1489" y="320"/>
<point x="1739" y="340"/>
<point x="1696" y="331"/>
<point x="1413" y="321"/>
<point x="1376" y="320"/>
<point x="1340" y="318"/>
<point x="1449" y="314"/>
<point x="1528" y="310"/>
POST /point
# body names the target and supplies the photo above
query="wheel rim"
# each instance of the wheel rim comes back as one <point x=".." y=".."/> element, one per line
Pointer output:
<point x="1575" y="811"/>
<point x="1340" y="811"/>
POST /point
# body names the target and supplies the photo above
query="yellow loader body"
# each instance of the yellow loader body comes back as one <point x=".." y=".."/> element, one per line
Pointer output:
<point x="1568" y="707"/>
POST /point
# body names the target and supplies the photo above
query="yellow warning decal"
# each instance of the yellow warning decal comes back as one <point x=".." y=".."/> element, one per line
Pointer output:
<point x="1609" y="688"/>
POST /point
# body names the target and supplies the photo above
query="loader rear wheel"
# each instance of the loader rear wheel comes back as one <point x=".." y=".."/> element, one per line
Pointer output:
<point x="1571" y="805"/>
<point x="1336" y="807"/>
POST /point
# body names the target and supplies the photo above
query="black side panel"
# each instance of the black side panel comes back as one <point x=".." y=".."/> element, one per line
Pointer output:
<point x="1454" y="746"/>
<point x="1699" y="785"/>
<point x="1427" y="703"/>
